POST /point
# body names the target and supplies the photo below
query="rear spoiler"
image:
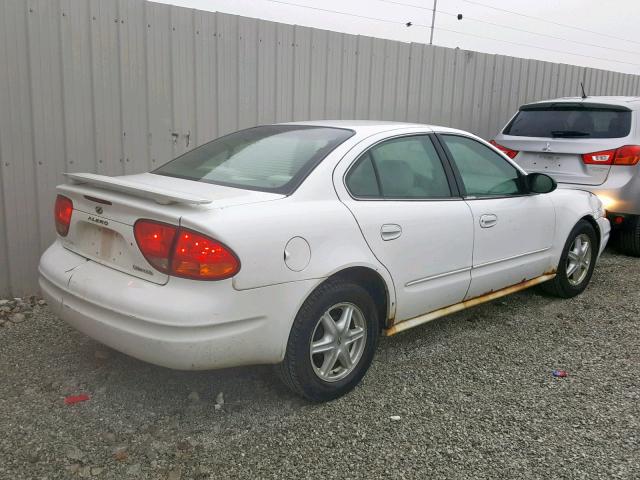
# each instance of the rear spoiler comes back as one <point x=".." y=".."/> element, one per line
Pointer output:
<point x="161" y="196"/>
<point x="574" y="106"/>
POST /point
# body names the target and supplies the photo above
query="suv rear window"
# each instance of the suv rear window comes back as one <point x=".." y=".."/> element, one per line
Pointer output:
<point x="270" y="158"/>
<point x="570" y="121"/>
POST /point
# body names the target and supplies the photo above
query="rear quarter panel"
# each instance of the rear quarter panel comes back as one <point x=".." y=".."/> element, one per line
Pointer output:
<point x="259" y="233"/>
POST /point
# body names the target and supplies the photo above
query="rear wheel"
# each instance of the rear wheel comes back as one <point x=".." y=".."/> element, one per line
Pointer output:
<point x="332" y="342"/>
<point x="577" y="262"/>
<point x="627" y="240"/>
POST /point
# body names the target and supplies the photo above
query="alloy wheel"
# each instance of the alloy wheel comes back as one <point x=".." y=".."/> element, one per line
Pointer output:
<point x="578" y="259"/>
<point x="338" y="342"/>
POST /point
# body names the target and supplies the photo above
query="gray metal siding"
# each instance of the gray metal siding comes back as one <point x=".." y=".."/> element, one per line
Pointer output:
<point x="122" y="86"/>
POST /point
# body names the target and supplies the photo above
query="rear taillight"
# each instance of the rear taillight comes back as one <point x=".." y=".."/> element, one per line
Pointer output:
<point x="599" y="158"/>
<point x="155" y="241"/>
<point x="62" y="214"/>
<point x="507" y="151"/>
<point x="200" y="257"/>
<point x="184" y="253"/>
<point x="627" y="155"/>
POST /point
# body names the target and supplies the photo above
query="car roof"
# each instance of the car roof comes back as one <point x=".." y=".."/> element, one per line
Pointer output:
<point x="370" y="127"/>
<point x="633" y="103"/>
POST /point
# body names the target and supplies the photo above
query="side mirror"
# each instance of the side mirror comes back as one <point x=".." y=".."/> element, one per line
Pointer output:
<point x="540" y="183"/>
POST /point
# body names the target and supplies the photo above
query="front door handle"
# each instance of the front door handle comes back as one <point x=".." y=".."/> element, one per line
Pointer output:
<point x="488" y="221"/>
<point x="390" y="231"/>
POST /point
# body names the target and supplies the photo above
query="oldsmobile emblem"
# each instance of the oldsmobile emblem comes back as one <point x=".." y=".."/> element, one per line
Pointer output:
<point x="99" y="210"/>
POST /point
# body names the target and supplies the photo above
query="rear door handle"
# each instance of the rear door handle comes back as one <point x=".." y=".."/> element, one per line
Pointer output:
<point x="488" y="221"/>
<point x="390" y="231"/>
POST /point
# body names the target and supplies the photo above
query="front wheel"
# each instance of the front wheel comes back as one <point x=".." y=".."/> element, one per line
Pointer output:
<point x="577" y="262"/>
<point x="332" y="342"/>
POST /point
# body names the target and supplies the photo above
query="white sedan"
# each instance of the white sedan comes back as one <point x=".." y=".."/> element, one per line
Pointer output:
<point x="300" y="244"/>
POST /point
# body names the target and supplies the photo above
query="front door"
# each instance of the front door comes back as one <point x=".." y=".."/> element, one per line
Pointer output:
<point x="513" y="229"/>
<point x="413" y="221"/>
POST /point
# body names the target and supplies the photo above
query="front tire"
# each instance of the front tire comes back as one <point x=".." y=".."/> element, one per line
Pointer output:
<point x="332" y="342"/>
<point x="577" y="262"/>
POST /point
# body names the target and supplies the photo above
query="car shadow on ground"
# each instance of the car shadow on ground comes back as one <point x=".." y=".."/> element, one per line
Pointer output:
<point x="113" y="376"/>
<point x="110" y="376"/>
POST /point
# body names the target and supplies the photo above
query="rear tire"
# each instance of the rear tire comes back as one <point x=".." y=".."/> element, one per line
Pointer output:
<point x="332" y="342"/>
<point x="577" y="262"/>
<point x="627" y="241"/>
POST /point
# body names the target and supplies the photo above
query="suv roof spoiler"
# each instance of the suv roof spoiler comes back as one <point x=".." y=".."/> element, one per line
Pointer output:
<point x="574" y="106"/>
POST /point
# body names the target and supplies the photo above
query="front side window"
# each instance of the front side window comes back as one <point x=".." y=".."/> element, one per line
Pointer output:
<point x="271" y="158"/>
<point x="401" y="168"/>
<point x="483" y="171"/>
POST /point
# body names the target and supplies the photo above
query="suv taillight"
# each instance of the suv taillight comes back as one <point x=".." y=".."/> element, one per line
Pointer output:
<point x="62" y="214"/>
<point x="627" y="155"/>
<point x="507" y="151"/>
<point x="184" y="253"/>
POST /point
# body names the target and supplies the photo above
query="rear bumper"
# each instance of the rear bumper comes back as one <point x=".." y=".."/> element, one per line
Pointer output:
<point x="184" y="324"/>
<point x="622" y="221"/>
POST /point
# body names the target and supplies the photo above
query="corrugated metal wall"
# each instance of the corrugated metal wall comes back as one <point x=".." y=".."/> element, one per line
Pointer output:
<point x="121" y="86"/>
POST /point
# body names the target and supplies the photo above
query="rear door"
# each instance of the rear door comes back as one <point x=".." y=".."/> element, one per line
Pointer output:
<point x="412" y="218"/>
<point x="513" y="230"/>
<point x="553" y="137"/>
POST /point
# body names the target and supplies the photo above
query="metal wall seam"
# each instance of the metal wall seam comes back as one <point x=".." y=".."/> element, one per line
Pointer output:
<point x="4" y="244"/>
<point x="16" y="123"/>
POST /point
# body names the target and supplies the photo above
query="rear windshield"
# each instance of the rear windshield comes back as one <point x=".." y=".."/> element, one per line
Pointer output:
<point x="271" y="158"/>
<point x="560" y="121"/>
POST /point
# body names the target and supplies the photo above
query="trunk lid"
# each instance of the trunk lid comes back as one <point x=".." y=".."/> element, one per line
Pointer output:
<point x="105" y="210"/>
<point x="561" y="158"/>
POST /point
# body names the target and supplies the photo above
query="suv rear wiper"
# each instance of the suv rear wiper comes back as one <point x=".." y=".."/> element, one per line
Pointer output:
<point x="568" y="133"/>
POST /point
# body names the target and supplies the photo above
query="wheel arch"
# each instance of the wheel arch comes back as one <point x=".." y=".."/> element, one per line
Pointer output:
<point x="592" y="221"/>
<point x="374" y="284"/>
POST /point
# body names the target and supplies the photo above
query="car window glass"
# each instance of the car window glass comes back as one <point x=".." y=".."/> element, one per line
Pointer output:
<point x="361" y="180"/>
<point x="483" y="171"/>
<point x="409" y="167"/>
<point x="565" y="121"/>
<point x="270" y="158"/>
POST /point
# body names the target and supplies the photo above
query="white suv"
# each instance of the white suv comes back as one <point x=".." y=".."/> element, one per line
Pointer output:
<point x="590" y="143"/>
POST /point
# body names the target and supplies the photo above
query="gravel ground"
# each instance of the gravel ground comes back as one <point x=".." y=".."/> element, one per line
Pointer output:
<point x="468" y="396"/>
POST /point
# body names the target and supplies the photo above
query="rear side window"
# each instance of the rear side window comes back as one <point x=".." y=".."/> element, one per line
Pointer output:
<point x="362" y="179"/>
<point x="570" y="121"/>
<point x="401" y="168"/>
<point x="270" y="158"/>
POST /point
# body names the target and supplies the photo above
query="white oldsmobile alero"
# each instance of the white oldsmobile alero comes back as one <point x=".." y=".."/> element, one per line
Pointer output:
<point x="300" y="244"/>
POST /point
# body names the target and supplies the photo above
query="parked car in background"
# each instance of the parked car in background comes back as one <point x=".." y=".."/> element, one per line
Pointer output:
<point x="299" y="244"/>
<point x="590" y="143"/>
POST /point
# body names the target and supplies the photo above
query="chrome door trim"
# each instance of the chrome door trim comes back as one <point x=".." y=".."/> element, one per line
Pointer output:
<point x="492" y="262"/>
<point x="434" y="277"/>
